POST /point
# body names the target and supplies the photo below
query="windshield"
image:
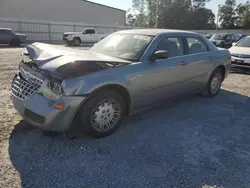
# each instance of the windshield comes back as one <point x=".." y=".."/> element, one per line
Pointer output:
<point x="123" y="45"/>
<point x="218" y="37"/>
<point x="244" y="42"/>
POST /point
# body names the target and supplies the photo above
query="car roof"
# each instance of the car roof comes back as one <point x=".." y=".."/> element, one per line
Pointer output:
<point x="6" y="29"/>
<point x="154" y="32"/>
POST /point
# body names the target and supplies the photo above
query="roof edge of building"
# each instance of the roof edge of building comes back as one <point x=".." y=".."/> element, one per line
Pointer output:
<point x="104" y="5"/>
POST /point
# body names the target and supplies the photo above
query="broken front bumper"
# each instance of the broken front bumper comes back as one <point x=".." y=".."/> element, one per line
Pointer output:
<point x="41" y="112"/>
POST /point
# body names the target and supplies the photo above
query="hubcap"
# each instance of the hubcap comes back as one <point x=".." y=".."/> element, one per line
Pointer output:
<point x="215" y="83"/>
<point x="105" y="115"/>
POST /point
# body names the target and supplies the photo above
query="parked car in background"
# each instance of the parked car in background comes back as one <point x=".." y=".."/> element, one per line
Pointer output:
<point x="8" y="36"/>
<point x="223" y="40"/>
<point x="89" y="35"/>
<point x="239" y="37"/>
<point x="240" y="53"/>
<point x="122" y="74"/>
<point x="209" y="35"/>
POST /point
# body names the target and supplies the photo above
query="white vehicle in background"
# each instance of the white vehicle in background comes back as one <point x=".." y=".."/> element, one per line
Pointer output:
<point x="240" y="53"/>
<point x="88" y="35"/>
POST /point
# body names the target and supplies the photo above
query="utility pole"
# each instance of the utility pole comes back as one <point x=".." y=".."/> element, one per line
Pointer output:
<point x="217" y="17"/>
<point x="156" y="13"/>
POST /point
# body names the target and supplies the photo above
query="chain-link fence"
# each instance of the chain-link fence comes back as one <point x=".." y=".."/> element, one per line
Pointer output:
<point x="51" y="32"/>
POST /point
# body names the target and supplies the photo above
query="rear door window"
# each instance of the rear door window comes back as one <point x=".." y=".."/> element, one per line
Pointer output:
<point x="196" y="45"/>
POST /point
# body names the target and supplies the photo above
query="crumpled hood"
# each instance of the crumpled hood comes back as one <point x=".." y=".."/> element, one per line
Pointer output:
<point x="68" y="61"/>
<point x="240" y="50"/>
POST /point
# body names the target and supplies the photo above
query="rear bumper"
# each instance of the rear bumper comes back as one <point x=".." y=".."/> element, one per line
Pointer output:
<point x="40" y="112"/>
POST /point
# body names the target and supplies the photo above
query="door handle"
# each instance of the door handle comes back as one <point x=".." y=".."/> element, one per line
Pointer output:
<point x="183" y="63"/>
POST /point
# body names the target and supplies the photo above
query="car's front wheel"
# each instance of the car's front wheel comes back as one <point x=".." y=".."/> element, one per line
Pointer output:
<point x="214" y="83"/>
<point x="101" y="115"/>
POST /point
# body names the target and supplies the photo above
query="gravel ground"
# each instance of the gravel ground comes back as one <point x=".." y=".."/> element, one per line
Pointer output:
<point x="187" y="143"/>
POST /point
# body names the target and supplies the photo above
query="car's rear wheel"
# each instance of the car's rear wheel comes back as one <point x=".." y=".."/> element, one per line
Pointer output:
<point x="214" y="83"/>
<point x="76" y="41"/>
<point x="101" y="115"/>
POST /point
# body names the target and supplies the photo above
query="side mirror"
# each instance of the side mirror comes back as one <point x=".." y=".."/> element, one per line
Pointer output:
<point x="234" y="43"/>
<point x="160" y="54"/>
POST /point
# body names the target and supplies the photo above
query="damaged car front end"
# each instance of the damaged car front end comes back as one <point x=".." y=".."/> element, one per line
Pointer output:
<point x="44" y="102"/>
<point x="46" y="91"/>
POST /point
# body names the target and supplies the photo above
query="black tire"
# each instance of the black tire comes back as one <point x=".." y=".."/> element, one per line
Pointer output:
<point x="212" y="89"/>
<point x="85" y="125"/>
<point x="77" y="41"/>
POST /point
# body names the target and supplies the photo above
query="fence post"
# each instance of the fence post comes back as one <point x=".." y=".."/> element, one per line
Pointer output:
<point x="74" y="28"/>
<point x="49" y="32"/>
<point x="114" y="29"/>
<point x="19" y="26"/>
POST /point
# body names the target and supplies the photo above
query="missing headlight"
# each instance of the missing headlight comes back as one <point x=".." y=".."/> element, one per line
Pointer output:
<point x="55" y="87"/>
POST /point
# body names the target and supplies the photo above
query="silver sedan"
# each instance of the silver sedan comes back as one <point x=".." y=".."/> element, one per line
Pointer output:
<point x="91" y="91"/>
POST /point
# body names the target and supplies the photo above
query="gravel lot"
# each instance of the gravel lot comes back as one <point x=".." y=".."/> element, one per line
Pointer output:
<point x="188" y="143"/>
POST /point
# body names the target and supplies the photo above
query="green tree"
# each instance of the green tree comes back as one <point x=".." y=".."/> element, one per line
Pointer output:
<point x="228" y="16"/>
<point x="140" y="18"/>
<point x="202" y="18"/>
<point x="151" y="10"/>
<point x="243" y="12"/>
<point x="130" y="18"/>
<point x="186" y="14"/>
<point x="176" y="14"/>
<point x="199" y="3"/>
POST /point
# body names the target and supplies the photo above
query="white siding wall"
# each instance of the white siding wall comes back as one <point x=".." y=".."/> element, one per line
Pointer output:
<point x="62" y="10"/>
<point x="51" y="31"/>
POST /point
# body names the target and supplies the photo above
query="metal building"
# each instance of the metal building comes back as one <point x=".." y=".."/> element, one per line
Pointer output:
<point x="77" y="11"/>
